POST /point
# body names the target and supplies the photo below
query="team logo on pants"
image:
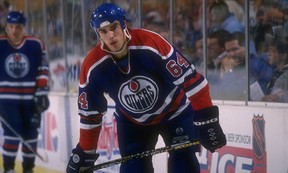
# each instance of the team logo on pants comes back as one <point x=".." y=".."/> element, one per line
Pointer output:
<point x="17" y="65"/>
<point x="139" y="94"/>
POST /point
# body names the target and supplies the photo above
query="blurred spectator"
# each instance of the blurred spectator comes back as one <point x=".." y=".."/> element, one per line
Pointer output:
<point x="262" y="32"/>
<point x="237" y="9"/>
<point x="4" y="8"/>
<point x="232" y="83"/>
<point x="227" y="65"/>
<point x="275" y="13"/>
<point x="233" y="76"/>
<point x="154" y="21"/>
<point x="271" y="20"/>
<point x="216" y="48"/>
<point x="195" y="27"/>
<point x="221" y="18"/>
<point x="215" y="54"/>
<point x="197" y="60"/>
<point x="279" y="91"/>
<point x="277" y="57"/>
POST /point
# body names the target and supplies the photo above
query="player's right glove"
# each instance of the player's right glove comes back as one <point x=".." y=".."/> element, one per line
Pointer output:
<point x="80" y="161"/>
<point x="210" y="131"/>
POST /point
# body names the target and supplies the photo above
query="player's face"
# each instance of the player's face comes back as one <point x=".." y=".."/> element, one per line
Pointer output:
<point x="112" y="36"/>
<point x="15" y="32"/>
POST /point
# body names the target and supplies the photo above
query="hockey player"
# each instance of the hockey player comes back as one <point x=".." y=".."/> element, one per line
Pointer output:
<point x="23" y="91"/>
<point x="156" y="92"/>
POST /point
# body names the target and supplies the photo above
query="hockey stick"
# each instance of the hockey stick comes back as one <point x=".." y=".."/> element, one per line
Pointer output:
<point x="23" y="141"/>
<point x="141" y="155"/>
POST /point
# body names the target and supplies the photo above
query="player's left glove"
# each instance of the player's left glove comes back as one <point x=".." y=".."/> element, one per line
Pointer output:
<point x="210" y="131"/>
<point x="41" y="103"/>
<point x="80" y="161"/>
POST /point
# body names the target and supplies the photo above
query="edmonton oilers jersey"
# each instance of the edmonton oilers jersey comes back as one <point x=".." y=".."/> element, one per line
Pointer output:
<point x="23" y="69"/>
<point x="157" y="84"/>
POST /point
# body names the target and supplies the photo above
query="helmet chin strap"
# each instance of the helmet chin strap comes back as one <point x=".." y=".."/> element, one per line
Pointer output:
<point x="127" y="34"/>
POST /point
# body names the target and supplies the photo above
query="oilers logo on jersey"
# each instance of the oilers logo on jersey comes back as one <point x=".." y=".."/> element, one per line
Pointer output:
<point x="139" y="94"/>
<point x="17" y="65"/>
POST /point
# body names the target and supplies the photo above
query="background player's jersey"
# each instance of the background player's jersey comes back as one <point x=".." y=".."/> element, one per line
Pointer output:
<point x="23" y="69"/>
<point x="150" y="86"/>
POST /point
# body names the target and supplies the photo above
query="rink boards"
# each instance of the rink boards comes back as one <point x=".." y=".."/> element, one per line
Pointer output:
<point x="257" y="138"/>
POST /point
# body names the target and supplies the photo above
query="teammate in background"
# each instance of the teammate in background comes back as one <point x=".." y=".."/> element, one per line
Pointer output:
<point x="156" y="91"/>
<point x="23" y="91"/>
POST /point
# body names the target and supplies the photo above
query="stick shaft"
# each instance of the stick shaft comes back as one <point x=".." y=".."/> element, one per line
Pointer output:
<point x="143" y="154"/>
<point x="21" y="139"/>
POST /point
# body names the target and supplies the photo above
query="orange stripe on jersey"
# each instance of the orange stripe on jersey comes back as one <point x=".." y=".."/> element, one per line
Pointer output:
<point x="41" y="83"/>
<point x="89" y="138"/>
<point x="142" y="37"/>
<point x="96" y="118"/>
<point x="192" y="80"/>
<point x="173" y="108"/>
<point x="10" y="147"/>
<point x="16" y="90"/>
<point x="4" y="37"/>
<point x="94" y="56"/>
<point x="201" y="99"/>
<point x="129" y="117"/>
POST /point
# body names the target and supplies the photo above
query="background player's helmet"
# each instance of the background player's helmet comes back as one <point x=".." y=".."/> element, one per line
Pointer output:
<point x="16" y="17"/>
<point x="106" y="14"/>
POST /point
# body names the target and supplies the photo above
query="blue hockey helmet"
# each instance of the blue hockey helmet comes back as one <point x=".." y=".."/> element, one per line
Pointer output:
<point x="106" y="14"/>
<point x="16" y="17"/>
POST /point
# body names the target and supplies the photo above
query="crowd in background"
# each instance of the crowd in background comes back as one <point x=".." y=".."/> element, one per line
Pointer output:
<point x="4" y="9"/>
<point x="226" y="44"/>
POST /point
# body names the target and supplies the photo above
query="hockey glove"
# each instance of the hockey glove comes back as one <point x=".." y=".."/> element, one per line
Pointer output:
<point x="41" y="103"/>
<point x="210" y="131"/>
<point x="36" y="119"/>
<point x="80" y="161"/>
